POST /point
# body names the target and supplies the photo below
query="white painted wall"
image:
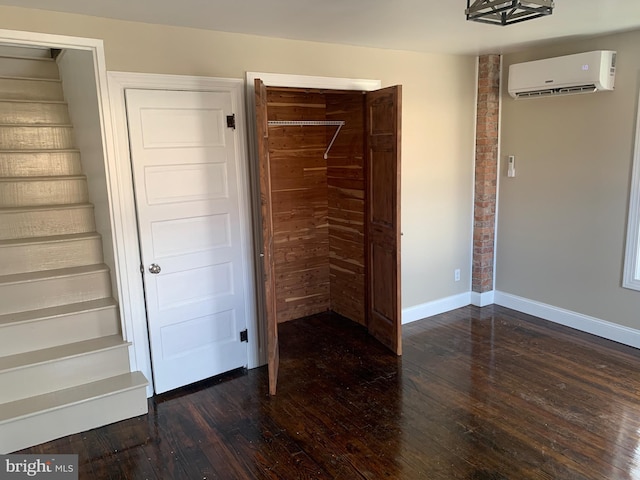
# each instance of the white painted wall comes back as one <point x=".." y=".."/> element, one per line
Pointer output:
<point x="78" y="74"/>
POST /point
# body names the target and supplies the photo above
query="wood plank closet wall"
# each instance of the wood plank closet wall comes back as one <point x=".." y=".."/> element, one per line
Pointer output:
<point x="318" y="205"/>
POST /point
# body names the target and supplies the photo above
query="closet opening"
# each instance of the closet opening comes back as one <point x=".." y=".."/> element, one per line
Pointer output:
<point x="330" y="225"/>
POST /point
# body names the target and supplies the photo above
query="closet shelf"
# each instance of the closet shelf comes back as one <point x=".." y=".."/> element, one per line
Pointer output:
<point x="311" y="123"/>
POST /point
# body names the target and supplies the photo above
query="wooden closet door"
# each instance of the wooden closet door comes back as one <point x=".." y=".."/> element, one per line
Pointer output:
<point x="262" y="135"/>
<point x="383" y="115"/>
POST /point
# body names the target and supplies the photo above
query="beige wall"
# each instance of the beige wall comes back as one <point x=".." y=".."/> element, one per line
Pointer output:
<point x="562" y="220"/>
<point x="438" y="118"/>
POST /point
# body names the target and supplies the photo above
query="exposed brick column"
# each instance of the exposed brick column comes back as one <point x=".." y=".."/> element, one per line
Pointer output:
<point x="486" y="171"/>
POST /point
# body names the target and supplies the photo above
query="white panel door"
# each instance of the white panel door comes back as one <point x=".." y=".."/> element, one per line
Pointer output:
<point x="186" y="179"/>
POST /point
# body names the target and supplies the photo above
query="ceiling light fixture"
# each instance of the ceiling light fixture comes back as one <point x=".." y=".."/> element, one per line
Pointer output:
<point x="506" y="12"/>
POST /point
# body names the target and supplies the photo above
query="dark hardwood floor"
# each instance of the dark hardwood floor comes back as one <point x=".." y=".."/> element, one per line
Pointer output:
<point x="480" y="394"/>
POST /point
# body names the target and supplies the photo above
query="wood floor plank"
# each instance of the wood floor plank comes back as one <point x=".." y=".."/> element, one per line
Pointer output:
<point x="479" y="394"/>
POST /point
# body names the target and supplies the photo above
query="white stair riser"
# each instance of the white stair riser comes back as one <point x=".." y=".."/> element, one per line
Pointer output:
<point x="33" y="257"/>
<point x="55" y="191"/>
<point x="41" y="223"/>
<point x="33" y="112"/>
<point x="39" y="164"/>
<point x="34" y="380"/>
<point x="34" y="138"/>
<point x="29" y="68"/>
<point x="54" y="331"/>
<point x="53" y="291"/>
<point x="49" y="425"/>
<point x="20" y="89"/>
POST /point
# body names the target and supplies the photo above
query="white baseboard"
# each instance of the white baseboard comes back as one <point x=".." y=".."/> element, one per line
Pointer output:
<point x="482" y="299"/>
<point x="584" y="323"/>
<point x="424" y="310"/>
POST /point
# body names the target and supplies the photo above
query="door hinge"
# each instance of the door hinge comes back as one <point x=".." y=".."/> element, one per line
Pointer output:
<point x="244" y="336"/>
<point x="231" y="121"/>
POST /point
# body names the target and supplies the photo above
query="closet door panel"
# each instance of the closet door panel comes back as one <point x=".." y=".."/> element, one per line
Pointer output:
<point x="383" y="117"/>
<point x="262" y="135"/>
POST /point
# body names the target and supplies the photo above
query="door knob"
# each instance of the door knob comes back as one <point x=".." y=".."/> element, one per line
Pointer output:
<point x="154" y="268"/>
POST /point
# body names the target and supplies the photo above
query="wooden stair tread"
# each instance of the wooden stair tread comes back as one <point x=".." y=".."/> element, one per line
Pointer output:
<point x="36" y="125"/>
<point x="71" y="237"/>
<point x="64" y="206"/>
<point x="70" y="350"/>
<point x="52" y="178"/>
<point x="14" y="151"/>
<point x="13" y="411"/>
<point x="25" y="51"/>
<point x="30" y="79"/>
<point x="57" y="311"/>
<point x="40" y="150"/>
<point x="26" y="57"/>
<point x="50" y="274"/>
<point x="26" y="100"/>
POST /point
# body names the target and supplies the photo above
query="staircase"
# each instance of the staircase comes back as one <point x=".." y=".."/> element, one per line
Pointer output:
<point x="64" y="366"/>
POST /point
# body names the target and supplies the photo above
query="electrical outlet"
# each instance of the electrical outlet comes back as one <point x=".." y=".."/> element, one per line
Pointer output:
<point x="456" y="274"/>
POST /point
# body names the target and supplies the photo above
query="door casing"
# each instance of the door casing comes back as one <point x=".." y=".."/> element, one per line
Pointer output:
<point x="135" y="322"/>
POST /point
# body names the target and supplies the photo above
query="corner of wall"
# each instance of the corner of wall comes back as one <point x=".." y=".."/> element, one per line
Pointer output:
<point x="482" y="299"/>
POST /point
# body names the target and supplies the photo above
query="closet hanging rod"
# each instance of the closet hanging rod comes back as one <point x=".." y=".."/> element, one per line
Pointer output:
<point x="313" y="123"/>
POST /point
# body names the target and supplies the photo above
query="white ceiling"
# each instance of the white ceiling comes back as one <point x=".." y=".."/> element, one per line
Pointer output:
<point x="420" y="25"/>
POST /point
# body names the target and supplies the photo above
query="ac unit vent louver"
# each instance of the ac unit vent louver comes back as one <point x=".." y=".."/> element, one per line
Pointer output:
<point x="558" y="91"/>
<point x="536" y="93"/>
<point x="579" y="89"/>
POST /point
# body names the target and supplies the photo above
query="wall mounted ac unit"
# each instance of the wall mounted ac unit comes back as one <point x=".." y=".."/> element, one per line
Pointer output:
<point x="579" y="73"/>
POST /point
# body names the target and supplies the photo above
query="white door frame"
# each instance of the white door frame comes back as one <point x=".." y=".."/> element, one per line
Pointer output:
<point x="123" y="202"/>
<point x="47" y="40"/>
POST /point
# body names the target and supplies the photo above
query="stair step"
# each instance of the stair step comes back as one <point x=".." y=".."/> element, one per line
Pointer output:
<point x="49" y="253"/>
<point x="22" y="222"/>
<point x="49" y="327"/>
<point x="40" y="419"/>
<point x="30" y="89"/>
<point x="40" y="163"/>
<point x="25" y="51"/>
<point x="35" y="137"/>
<point x="50" y="288"/>
<point x="43" y="371"/>
<point x="20" y="66"/>
<point x="32" y="191"/>
<point x="25" y="112"/>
